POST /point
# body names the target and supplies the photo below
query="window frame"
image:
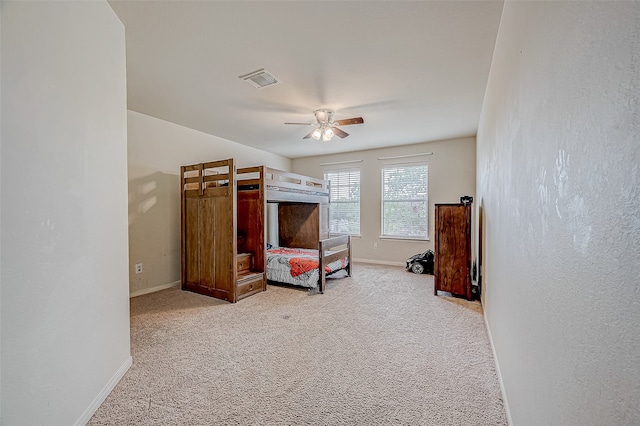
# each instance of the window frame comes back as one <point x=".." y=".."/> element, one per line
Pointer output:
<point x="424" y="237"/>
<point x="333" y="202"/>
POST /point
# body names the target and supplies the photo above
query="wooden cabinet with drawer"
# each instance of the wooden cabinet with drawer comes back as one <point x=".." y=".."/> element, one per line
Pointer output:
<point x="250" y="283"/>
<point x="244" y="263"/>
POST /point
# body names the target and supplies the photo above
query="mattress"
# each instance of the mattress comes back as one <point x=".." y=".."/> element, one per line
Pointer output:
<point x="298" y="266"/>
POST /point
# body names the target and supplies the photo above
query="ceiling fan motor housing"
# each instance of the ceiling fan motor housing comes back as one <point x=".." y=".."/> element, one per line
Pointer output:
<point x="324" y="116"/>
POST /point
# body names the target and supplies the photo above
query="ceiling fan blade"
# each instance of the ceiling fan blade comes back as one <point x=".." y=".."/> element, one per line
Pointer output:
<point x="302" y="124"/>
<point x="309" y="134"/>
<point x="347" y="121"/>
<point x="340" y="133"/>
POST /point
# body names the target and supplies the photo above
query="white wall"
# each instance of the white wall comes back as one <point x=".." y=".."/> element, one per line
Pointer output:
<point x="157" y="149"/>
<point x="451" y="174"/>
<point x="558" y="157"/>
<point x="65" y="306"/>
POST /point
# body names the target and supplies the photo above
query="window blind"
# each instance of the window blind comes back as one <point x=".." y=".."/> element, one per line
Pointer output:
<point x="405" y="204"/>
<point x="344" y="210"/>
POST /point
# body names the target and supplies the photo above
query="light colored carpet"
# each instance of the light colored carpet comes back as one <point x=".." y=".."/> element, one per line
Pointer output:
<point x="376" y="348"/>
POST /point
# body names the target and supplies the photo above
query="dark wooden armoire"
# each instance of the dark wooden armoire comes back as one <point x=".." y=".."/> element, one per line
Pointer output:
<point x="215" y="212"/>
<point x="452" y="272"/>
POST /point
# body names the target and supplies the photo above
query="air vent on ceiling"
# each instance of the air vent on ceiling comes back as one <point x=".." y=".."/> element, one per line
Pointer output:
<point x="260" y="78"/>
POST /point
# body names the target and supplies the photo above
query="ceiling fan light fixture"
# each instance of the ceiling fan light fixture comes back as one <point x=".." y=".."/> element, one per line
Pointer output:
<point x="326" y="127"/>
<point x="327" y="134"/>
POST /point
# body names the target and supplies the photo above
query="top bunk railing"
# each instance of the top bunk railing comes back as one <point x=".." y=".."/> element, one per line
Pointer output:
<point x="278" y="185"/>
<point x="199" y="179"/>
<point x="250" y="178"/>
<point x="279" y="182"/>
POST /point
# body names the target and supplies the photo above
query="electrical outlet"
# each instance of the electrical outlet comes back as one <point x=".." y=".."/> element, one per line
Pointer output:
<point x="375" y="246"/>
<point x="138" y="268"/>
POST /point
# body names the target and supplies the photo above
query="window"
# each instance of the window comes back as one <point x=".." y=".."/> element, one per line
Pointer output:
<point x="405" y="205"/>
<point x="344" y="210"/>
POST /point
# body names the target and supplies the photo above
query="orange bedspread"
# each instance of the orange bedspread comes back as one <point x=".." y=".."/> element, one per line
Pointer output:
<point x="302" y="260"/>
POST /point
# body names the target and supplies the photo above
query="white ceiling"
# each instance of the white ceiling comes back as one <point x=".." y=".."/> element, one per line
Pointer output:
<point x="416" y="71"/>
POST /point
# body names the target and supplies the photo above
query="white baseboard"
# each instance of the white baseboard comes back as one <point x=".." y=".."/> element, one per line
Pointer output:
<point x="495" y="357"/>
<point x="153" y="289"/>
<point x="380" y="262"/>
<point x="98" y="400"/>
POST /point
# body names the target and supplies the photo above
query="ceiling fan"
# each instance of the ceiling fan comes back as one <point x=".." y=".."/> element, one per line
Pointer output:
<point x="327" y="127"/>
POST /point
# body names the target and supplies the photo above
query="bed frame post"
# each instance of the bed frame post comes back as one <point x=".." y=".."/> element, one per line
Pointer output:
<point x="321" y="272"/>
<point x="349" y="253"/>
<point x="201" y="184"/>
<point x="183" y="275"/>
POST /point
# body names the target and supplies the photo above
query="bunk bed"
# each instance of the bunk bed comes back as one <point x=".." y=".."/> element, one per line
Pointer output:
<point x="223" y="218"/>
<point x="306" y="254"/>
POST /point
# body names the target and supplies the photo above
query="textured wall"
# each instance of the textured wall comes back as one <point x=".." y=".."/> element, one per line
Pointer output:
<point x="157" y="149"/>
<point x="65" y="305"/>
<point x="451" y="174"/>
<point x="558" y="155"/>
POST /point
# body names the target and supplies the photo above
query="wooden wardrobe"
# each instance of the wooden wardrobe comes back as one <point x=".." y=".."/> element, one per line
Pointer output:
<point x="452" y="272"/>
<point x="215" y="261"/>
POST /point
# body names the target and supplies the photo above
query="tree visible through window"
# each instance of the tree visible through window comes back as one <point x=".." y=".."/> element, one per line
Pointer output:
<point x="405" y="204"/>
<point x="344" y="210"/>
